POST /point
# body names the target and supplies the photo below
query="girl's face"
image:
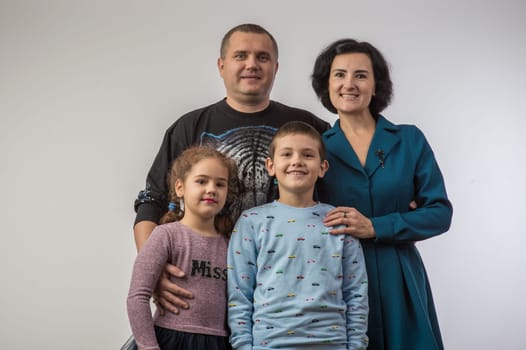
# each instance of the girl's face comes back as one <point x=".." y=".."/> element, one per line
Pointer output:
<point x="205" y="188"/>
<point x="351" y="83"/>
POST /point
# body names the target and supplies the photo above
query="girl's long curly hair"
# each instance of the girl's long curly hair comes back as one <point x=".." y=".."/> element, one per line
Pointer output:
<point x="226" y="218"/>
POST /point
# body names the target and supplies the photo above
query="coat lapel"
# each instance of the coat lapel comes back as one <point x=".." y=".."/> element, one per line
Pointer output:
<point x="339" y="147"/>
<point x="384" y="140"/>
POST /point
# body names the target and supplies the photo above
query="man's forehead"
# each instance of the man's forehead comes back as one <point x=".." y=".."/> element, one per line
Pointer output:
<point x="240" y="41"/>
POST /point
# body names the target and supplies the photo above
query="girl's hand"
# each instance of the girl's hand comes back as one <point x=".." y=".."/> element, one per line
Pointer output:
<point x="355" y="224"/>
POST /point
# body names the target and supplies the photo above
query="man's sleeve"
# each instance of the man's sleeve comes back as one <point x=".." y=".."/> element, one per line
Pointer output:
<point x="152" y="201"/>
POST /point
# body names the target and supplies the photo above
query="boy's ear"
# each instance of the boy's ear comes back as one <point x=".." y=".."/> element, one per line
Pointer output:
<point x="179" y="188"/>
<point x="324" y="166"/>
<point x="270" y="167"/>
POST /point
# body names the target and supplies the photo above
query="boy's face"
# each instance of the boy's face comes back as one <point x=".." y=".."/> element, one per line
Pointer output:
<point x="296" y="164"/>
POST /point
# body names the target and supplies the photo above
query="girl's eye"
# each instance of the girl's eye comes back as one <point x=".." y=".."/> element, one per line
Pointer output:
<point x="220" y="184"/>
<point x="200" y="181"/>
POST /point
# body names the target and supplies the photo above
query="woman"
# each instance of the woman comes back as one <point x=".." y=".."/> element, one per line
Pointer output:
<point x="376" y="169"/>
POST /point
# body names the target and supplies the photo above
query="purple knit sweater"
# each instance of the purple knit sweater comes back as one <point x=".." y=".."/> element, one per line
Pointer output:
<point x="203" y="259"/>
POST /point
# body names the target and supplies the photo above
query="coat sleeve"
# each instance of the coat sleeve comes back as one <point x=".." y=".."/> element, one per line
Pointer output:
<point x="434" y="212"/>
<point x="241" y="283"/>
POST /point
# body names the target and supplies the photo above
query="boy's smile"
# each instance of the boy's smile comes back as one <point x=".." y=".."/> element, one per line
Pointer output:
<point x="297" y="165"/>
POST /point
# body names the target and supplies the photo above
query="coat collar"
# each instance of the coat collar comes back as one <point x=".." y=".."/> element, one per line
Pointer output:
<point x="384" y="140"/>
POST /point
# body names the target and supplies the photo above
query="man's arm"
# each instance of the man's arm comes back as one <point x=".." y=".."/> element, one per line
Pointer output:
<point x="142" y="230"/>
<point x="150" y="205"/>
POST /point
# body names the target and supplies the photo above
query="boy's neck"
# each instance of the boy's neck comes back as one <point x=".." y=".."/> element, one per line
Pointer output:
<point x="303" y="200"/>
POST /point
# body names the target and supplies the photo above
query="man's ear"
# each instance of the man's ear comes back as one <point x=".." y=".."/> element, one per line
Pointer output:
<point x="270" y="166"/>
<point x="324" y="166"/>
<point x="220" y="65"/>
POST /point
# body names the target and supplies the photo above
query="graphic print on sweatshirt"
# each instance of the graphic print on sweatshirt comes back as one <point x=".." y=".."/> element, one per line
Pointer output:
<point x="248" y="146"/>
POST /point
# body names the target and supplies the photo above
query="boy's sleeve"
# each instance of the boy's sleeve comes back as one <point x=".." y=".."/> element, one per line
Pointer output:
<point x="242" y="270"/>
<point x="355" y="294"/>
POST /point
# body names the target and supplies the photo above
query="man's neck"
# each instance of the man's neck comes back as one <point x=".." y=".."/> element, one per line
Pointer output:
<point x="248" y="106"/>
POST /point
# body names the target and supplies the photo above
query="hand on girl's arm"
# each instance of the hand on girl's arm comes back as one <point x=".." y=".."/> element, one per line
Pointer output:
<point x="168" y="295"/>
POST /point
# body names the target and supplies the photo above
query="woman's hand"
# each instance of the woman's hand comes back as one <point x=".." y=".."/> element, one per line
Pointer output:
<point x="168" y="295"/>
<point x="355" y="224"/>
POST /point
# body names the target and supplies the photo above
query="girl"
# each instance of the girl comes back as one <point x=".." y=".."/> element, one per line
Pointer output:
<point x="193" y="236"/>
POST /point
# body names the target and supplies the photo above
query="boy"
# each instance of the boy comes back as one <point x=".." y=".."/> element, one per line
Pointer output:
<point x="292" y="285"/>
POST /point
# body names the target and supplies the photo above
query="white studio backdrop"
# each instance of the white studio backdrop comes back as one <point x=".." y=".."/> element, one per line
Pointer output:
<point x="87" y="89"/>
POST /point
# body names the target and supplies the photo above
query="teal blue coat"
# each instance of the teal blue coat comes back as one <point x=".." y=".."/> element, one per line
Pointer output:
<point x="400" y="167"/>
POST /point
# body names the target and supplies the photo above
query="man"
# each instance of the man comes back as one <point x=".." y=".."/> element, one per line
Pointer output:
<point x="240" y="125"/>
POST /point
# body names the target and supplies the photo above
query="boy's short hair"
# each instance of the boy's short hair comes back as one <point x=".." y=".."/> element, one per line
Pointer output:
<point x="297" y="127"/>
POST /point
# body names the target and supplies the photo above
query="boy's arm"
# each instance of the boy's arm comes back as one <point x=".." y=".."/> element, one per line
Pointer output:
<point x="355" y="294"/>
<point x="241" y="283"/>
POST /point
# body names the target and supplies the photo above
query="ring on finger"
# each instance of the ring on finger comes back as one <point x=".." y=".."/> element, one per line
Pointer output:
<point x="344" y="214"/>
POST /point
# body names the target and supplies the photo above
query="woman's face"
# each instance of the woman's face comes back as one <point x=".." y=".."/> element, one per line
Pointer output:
<point x="351" y="83"/>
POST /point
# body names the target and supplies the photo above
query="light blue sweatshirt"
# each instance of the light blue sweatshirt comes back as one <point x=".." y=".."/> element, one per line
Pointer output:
<point x="292" y="285"/>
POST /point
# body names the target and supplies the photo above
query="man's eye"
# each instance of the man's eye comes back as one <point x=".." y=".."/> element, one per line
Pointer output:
<point x="264" y="58"/>
<point x="240" y="56"/>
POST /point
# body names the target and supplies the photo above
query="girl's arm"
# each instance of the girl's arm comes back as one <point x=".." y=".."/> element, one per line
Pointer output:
<point x="149" y="264"/>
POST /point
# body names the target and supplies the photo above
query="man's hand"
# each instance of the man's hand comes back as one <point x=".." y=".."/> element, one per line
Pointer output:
<point x="168" y="295"/>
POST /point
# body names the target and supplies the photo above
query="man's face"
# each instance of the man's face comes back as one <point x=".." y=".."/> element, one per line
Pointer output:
<point x="248" y="69"/>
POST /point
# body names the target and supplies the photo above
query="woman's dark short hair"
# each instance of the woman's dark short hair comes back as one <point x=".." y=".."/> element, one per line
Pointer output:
<point x="322" y="68"/>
